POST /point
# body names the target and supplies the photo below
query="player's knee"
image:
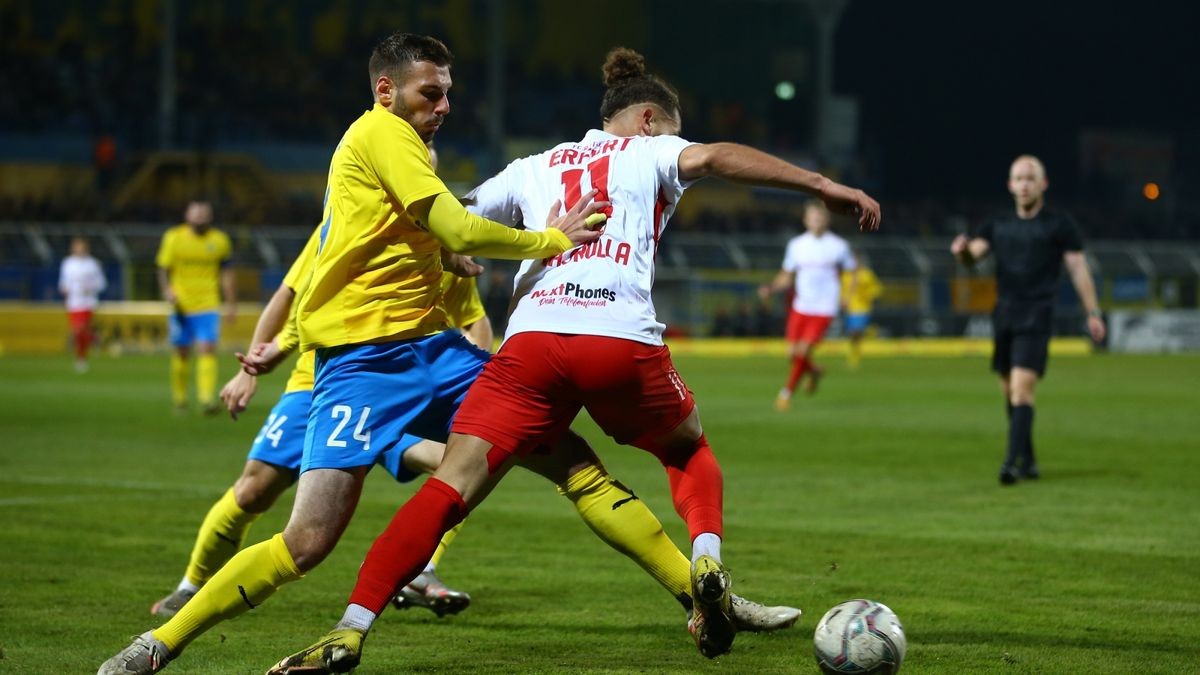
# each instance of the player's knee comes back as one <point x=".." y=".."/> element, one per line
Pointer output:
<point x="1021" y="397"/>
<point x="259" y="486"/>
<point x="425" y="456"/>
<point x="683" y="437"/>
<point x="308" y="545"/>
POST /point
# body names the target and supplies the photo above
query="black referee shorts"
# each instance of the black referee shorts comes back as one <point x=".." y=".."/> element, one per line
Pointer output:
<point x="1021" y="338"/>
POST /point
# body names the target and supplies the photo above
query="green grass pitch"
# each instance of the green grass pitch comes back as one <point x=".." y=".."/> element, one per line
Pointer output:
<point x="882" y="486"/>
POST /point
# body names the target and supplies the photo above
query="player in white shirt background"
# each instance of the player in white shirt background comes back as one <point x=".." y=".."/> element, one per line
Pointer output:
<point x="583" y="334"/>
<point x="812" y="266"/>
<point x="81" y="281"/>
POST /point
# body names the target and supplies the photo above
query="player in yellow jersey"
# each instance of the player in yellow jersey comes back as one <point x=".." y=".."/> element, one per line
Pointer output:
<point x="860" y="288"/>
<point x="274" y="459"/>
<point x="384" y="364"/>
<point x="193" y="275"/>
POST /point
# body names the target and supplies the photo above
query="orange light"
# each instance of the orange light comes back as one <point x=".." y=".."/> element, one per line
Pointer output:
<point x="1150" y="191"/>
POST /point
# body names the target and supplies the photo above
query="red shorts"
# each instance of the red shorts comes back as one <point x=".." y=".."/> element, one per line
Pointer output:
<point x="531" y="391"/>
<point x="80" y="320"/>
<point x="806" y="327"/>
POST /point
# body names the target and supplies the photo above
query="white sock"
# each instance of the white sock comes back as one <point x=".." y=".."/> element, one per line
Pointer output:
<point x="706" y="543"/>
<point x="188" y="586"/>
<point x="428" y="569"/>
<point x="357" y="616"/>
<point x="784" y="393"/>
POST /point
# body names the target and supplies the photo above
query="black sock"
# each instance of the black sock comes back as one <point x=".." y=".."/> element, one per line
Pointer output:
<point x="1029" y="441"/>
<point x="1020" y="436"/>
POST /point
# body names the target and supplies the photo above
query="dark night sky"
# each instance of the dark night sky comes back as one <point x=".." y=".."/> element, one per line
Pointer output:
<point x="950" y="91"/>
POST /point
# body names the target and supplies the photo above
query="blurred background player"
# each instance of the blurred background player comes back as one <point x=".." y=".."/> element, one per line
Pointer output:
<point x="860" y="287"/>
<point x="583" y="334"/>
<point x="1030" y="245"/>
<point x="81" y="281"/>
<point x="194" y="275"/>
<point x="812" y="267"/>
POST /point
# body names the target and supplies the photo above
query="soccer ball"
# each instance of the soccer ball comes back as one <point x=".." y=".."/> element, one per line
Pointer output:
<point x="859" y="636"/>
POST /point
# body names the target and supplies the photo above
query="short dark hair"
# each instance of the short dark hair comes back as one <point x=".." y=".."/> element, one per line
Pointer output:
<point x="396" y="51"/>
<point x="628" y="84"/>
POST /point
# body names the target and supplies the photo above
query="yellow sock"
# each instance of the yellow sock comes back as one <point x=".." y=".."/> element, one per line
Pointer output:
<point x="251" y="577"/>
<point x="220" y="536"/>
<point x="855" y="354"/>
<point x="625" y="523"/>
<point x="179" y="379"/>
<point x="445" y="542"/>
<point x="206" y="378"/>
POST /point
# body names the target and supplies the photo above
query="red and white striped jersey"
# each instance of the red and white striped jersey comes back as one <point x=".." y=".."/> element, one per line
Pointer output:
<point x="600" y="288"/>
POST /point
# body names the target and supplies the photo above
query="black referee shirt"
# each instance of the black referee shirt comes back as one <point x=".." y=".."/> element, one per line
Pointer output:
<point x="1029" y="254"/>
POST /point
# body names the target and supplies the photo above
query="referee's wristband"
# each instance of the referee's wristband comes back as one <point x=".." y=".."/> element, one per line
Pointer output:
<point x="1096" y="313"/>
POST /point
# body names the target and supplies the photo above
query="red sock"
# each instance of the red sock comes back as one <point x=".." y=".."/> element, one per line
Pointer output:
<point x="799" y="366"/>
<point x="402" y="550"/>
<point x="82" y="339"/>
<point x="697" y="487"/>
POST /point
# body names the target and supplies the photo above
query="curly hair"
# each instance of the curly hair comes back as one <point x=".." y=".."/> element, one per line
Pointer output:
<point x="628" y="84"/>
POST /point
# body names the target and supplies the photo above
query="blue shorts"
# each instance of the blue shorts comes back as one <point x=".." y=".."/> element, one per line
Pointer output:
<point x="367" y="397"/>
<point x="281" y="440"/>
<point x="856" y="323"/>
<point x="187" y="329"/>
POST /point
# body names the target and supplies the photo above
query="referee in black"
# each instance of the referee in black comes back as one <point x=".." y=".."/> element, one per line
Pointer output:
<point x="1030" y="246"/>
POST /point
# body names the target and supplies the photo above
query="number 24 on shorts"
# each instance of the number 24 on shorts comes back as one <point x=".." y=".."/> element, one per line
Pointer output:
<point x="345" y="413"/>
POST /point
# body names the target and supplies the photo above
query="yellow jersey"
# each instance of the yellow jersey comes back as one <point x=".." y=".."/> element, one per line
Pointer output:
<point x="865" y="292"/>
<point x="193" y="263"/>
<point x="377" y="272"/>
<point x="460" y="299"/>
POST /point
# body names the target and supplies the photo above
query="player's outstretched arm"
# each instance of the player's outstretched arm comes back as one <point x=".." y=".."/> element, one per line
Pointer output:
<point x="465" y="233"/>
<point x="743" y="164"/>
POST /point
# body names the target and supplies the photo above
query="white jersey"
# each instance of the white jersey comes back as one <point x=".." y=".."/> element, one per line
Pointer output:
<point x="82" y="281"/>
<point x="817" y="263"/>
<point x="600" y="288"/>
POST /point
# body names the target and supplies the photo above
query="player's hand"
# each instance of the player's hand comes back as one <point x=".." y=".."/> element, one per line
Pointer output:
<point x="852" y="202"/>
<point x="1097" y="329"/>
<point x="764" y="292"/>
<point x="238" y="391"/>
<point x="170" y="297"/>
<point x="461" y="265"/>
<point x="574" y="223"/>
<point x="958" y="245"/>
<point x="261" y="359"/>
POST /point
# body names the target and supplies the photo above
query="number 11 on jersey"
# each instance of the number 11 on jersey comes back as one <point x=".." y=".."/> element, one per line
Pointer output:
<point x="572" y="181"/>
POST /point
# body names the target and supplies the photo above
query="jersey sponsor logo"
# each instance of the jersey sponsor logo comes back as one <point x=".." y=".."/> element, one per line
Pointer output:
<point x="601" y="248"/>
<point x="573" y="295"/>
